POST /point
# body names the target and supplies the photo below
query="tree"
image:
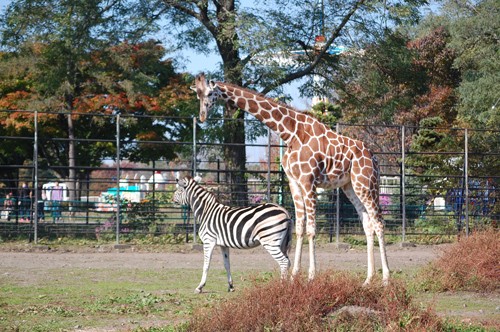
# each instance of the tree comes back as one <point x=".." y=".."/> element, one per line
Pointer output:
<point x="252" y="41"/>
<point x="132" y="78"/>
<point x="67" y="32"/>
<point x="474" y="28"/>
<point x="473" y="37"/>
<point x="398" y="80"/>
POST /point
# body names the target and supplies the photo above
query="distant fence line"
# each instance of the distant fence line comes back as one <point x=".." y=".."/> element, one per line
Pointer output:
<point x="448" y="191"/>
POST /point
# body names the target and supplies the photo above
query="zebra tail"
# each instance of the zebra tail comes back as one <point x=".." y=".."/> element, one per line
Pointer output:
<point x="287" y="244"/>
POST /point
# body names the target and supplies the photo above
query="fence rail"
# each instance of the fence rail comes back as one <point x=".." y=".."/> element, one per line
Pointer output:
<point x="446" y="187"/>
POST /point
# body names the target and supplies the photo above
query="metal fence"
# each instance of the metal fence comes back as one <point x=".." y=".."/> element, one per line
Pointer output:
<point x="433" y="180"/>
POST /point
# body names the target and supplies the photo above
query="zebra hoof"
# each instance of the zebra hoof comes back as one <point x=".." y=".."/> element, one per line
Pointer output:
<point x="230" y="289"/>
<point x="197" y="291"/>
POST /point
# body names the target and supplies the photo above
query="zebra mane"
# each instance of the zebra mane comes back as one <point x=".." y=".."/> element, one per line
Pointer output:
<point x="204" y="190"/>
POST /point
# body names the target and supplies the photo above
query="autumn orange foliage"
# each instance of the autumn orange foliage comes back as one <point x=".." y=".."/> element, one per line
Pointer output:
<point x="471" y="264"/>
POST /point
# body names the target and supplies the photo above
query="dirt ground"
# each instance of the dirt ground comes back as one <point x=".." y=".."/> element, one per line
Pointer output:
<point x="22" y="258"/>
<point x="17" y="261"/>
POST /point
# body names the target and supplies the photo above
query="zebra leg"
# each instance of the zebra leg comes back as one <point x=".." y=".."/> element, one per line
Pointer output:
<point x="280" y="257"/>
<point x="225" y="256"/>
<point x="208" y="249"/>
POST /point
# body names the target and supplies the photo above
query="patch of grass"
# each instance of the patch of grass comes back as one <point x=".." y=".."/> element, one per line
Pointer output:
<point x="472" y="264"/>
<point x="481" y="310"/>
<point x="95" y="298"/>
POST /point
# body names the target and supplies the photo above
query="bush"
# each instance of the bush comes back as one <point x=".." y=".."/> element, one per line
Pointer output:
<point x="471" y="264"/>
<point x="332" y="301"/>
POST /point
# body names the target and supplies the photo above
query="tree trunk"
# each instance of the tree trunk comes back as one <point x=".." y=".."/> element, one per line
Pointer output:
<point x="235" y="155"/>
<point x="234" y="127"/>
<point x="71" y="160"/>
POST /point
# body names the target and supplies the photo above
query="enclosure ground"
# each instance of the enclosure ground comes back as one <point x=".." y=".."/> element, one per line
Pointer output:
<point x="34" y="266"/>
<point x="17" y="259"/>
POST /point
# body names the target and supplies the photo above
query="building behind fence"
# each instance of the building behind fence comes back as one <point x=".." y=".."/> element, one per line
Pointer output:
<point x="435" y="192"/>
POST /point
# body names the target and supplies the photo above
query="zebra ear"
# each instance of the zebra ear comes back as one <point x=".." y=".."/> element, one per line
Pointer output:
<point x="197" y="179"/>
<point x="181" y="183"/>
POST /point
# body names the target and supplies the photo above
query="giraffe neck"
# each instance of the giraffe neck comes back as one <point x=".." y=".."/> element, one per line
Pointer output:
<point x="280" y="118"/>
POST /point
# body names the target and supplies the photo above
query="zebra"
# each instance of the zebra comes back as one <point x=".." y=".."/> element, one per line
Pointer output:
<point x="235" y="227"/>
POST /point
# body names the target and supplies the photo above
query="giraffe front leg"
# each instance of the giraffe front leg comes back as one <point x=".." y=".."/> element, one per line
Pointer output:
<point x="299" y="225"/>
<point x="225" y="256"/>
<point x="208" y="248"/>
<point x="311" y="231"/>
<point x="299" y="236"/>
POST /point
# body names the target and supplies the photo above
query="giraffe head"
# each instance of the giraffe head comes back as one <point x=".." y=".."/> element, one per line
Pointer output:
<point x="207" y="93"/>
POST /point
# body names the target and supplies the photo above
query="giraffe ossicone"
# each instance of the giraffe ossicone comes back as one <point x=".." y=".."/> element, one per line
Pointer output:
<point x="315" y="156"/>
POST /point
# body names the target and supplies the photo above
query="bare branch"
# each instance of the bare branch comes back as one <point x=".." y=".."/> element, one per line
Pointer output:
<point x="334" y="35"/>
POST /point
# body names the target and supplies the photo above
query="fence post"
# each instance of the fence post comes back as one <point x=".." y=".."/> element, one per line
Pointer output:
<point x="268" y="165"/>
<point x="194" y="172"/>
<point x="117" y="114"/>
<point x="403" y="185"/>
<point x="35" y="185"/>
<point x="466" y="176"/>
<point x="337" y="204"/>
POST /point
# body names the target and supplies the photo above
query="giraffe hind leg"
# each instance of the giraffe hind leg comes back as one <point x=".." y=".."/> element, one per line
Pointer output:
<point x="369" y="232"/>
<point x="383" y="255"/>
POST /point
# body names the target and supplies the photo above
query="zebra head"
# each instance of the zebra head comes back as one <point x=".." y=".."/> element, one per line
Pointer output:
<point x="181" y="193"/>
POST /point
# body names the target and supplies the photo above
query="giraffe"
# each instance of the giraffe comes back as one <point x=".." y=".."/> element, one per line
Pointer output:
<point x="315" y="157"/>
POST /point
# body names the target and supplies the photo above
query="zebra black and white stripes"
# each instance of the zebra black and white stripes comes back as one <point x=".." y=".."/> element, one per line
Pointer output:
<point x="235" y="227"/>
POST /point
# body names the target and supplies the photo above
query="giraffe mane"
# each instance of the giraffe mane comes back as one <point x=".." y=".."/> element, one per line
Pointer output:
<point x="270" y="100"/>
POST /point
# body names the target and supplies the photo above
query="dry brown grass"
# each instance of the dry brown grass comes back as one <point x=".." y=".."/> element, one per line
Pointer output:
<point x="333" y="301"/>
<point x="472" y="264"/>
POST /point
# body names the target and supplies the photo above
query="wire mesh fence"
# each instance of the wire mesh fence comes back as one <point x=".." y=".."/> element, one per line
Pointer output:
<point x="432" y="181"/>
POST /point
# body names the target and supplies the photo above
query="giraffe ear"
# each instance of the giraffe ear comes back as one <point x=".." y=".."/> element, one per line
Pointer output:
<point x="193" y="87"/>
<point x="211" y="84"/>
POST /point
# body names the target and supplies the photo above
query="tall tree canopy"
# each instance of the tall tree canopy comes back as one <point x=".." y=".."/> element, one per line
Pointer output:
<point x="267" y="44"/>
<point x="69" y="58"/>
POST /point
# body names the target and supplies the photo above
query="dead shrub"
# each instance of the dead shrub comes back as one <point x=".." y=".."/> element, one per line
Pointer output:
<point x="472" y="264"/>
<point x="333" y="301"/>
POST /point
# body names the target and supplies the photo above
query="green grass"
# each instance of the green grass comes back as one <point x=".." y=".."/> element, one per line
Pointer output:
<point x="101" y="298"/>
<point x="457" y="305"/>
